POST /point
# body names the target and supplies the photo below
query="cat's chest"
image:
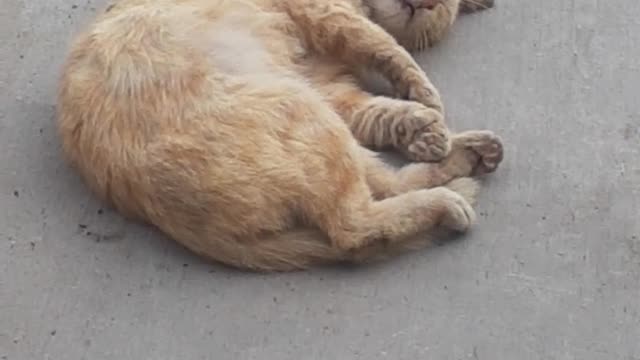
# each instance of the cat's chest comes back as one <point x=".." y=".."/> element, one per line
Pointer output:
<point x="245" y="45"/>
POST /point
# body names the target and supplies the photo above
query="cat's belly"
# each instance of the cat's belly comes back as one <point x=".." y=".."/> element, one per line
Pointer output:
<point x="236" y="51"/>
<point x="243" y="43"/>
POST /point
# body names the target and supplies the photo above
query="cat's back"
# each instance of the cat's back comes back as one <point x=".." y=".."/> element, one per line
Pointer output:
<point x="160" y="56"/>
<point x="236" y="36"/>
<point x="147" y="68"/>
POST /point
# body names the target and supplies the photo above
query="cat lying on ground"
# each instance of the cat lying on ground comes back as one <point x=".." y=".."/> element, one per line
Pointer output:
<point x="237" y="126"/>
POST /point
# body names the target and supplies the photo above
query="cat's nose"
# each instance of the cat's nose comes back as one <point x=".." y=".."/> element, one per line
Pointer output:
<point x="425" y="4"/>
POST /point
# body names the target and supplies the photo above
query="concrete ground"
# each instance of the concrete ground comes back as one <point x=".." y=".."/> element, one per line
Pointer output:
<point x="552" y="270"/>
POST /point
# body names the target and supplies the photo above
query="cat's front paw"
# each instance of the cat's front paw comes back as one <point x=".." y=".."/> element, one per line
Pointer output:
<point x="423" y="135"/>
<point x="420" y="90"/>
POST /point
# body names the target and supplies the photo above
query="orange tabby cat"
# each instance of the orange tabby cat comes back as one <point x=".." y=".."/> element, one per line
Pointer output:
<point x="237" y="127"/>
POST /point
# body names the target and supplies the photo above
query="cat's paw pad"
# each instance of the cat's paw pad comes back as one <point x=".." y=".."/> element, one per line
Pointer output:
<point x="427" y="139"/>
<point x="429" y="146"/>
<point x="489" y="148"/>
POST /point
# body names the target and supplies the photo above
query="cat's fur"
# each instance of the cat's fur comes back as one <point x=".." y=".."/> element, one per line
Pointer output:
<point x="235" y="126"/>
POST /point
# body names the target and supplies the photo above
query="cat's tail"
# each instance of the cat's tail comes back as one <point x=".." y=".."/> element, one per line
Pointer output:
<point x="301" y="248"/>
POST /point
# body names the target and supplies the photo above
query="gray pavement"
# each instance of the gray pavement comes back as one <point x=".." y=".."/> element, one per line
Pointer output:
<point x="552" y="271"/>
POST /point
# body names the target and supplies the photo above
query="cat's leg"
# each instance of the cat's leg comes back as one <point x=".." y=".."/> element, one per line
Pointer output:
<point x="336" y="29"/>
<point x="473" y="153"/>
<point x="334" y="188"/>
<point x="354" y="220"/>
<point x="411" y="128"/>
<point x="380" y="122"/>
<point x="413" y="199"/>
<point x="357" y="220"/>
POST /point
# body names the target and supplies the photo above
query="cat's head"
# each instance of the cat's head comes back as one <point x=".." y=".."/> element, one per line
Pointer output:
<point x="416" y="24"/>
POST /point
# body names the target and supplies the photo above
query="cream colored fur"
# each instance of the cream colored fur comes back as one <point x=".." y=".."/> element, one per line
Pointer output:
<point x="237" y="127"/>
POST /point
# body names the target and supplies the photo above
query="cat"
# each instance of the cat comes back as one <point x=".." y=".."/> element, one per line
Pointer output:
<point x="237" y="127"/>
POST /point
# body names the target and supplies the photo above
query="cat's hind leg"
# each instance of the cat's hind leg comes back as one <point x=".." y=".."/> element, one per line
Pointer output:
<point x="360" y="221"/>
<point x="474" y="153"/>
<point x="349" y="212"/>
